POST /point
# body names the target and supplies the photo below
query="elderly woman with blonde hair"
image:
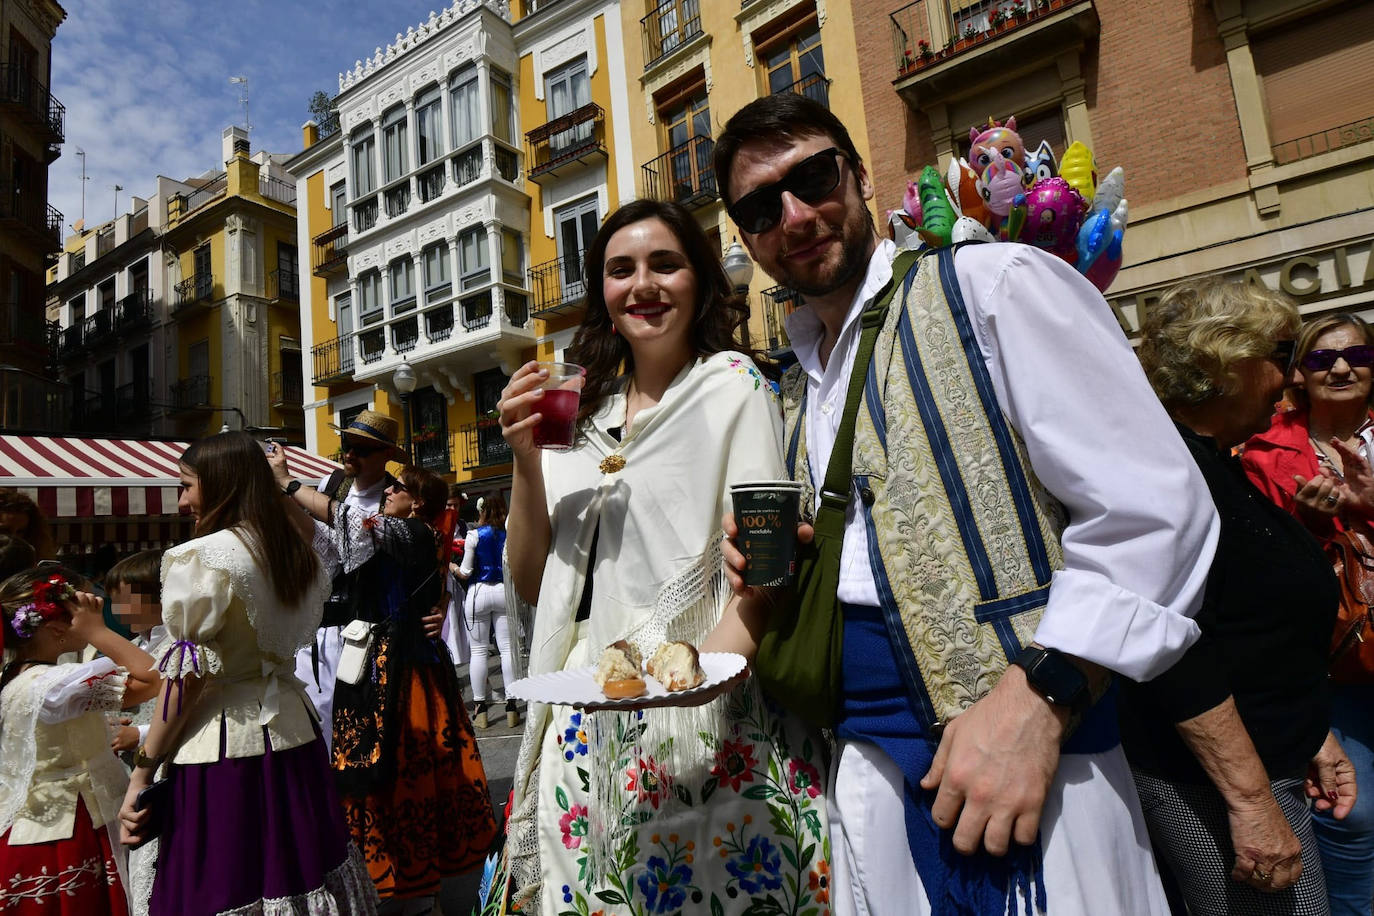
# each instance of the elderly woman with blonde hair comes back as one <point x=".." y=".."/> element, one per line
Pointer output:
<point x="1228" y="745"/>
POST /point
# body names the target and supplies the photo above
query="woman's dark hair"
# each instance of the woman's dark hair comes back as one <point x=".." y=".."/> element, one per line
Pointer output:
<point x="36" y="530"/>
<point x="16" y="555"/>
<point x="429" y="491"/>
<point x="17" y="589"/>
<point x="720" y="322"/>
<point x="774" y="119"/>
<point x="237" y="491"/>
<point x="142" y="570"/>
<point x="493" y="512"/>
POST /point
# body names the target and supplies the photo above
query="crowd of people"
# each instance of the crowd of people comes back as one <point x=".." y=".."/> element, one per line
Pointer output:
<point x="1090" y="641"/>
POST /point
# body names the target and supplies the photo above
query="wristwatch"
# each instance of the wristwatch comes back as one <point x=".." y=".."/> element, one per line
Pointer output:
<point x="291" y="488"/>
<point x="142" y="760"/>
<point x="1056" y="678"/>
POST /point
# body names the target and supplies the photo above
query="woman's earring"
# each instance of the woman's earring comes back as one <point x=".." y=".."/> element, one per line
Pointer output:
<point x="614" y="330"/>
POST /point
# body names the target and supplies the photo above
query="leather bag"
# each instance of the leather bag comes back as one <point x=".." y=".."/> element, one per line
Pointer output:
<point x="1352" y="641"/>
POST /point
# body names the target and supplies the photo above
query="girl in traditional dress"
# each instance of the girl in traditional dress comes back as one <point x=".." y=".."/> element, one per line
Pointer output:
<point x="250" y="820"/>
<point x="406" y="761"/>
<point x="711" y="809"/>
<point x="60" y="783"/>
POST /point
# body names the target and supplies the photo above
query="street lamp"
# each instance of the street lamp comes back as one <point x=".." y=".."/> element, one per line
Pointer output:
<point x="738" y="267"/>
<point x="404" y="380"/>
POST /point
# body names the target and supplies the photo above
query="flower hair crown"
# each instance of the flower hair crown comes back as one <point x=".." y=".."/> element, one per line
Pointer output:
<point x="46" y="604"/>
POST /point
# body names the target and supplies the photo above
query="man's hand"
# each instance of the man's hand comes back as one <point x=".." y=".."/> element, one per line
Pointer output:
<point x="126" y="739"/>
<point x="735" y="562"/>
<point x="1331" y="779"/>
<point x="1268" y="855"/>
<point x="433" y="622"/>
<point x="994" y="766"/>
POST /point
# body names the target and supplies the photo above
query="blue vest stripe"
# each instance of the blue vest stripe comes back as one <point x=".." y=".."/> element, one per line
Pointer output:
<point x="1016" y="481"/>
<point x="794" y="443"/>
<point x="892" y="617"/>
<point x="945" y="460"/>
<point x="873" y="401"/>
<point x="1002" y="608"/>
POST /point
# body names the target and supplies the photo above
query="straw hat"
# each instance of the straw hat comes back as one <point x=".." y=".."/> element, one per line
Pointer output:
<point x="372" y="427"/>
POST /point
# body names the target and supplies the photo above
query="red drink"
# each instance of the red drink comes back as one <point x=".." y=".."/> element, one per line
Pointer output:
<point x="555" y="428"/>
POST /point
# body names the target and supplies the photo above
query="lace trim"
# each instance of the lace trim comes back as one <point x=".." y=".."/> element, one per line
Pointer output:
<point x="183" y="657"/>
<point x="347" y="891"/>
<point x="19" y="705"/>
<point x="106" y="692"/>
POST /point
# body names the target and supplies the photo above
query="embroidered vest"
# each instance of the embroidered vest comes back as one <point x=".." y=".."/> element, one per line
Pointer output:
<point x="963" y="538"/>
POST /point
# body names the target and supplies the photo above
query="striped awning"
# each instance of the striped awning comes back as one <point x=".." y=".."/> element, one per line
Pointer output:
<point x="120" y="478"/>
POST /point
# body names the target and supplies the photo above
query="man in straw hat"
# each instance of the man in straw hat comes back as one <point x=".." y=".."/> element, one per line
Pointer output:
<point x="369" y="442"/>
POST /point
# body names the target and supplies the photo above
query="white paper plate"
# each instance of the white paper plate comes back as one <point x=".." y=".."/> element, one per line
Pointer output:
<point x="578" y="688"/>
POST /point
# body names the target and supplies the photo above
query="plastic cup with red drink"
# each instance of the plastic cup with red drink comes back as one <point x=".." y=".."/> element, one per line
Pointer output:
<point x="557" y="425"/>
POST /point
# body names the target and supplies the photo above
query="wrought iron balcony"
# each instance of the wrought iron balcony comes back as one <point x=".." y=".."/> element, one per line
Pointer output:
<point x="815" y="87"/>
<point x="482" y="445"/>
<point x="684" y="174"/>
<point x="72" y="341"/>
<point x="195" y="288"/>
<point x="283" y="285"/>
<point x="405" y="335"/>
<point x="134" y="310"/>
<point x="558" y="286"/>
<point x="191" y="393"/>
<point x="566" y="142"/>
<point x="287" y="389"/>
<point x="275" y="189"/>
<point x="668" y="26"/>
<point x="23" y="209"/>
<point x="180" y="206"/>
<point x="467" y="165"/>
<point x="97" y="328"/>
<point x="332" y="360"/>
<point x="23" y="327"/>
<point x="330" y="250"/>
<point x="397" y="199"/>
<point x="778" y="303"/>
<point x="23" y="92"/>
<point x="431" y="183"/>
<point x="372" y="345"/>
<point x="365" y="214"/>
<point x="133" y="401"/>
<point x="430" y="448"/>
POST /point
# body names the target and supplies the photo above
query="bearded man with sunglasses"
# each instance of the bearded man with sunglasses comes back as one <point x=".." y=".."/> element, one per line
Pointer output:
<point x="1021" y="521"/>
<point x="369" y="442"/>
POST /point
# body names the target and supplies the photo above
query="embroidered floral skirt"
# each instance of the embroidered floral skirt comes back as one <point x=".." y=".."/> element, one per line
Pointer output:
<point x="433" y="817"/>
<point x="748" y="835"/>
<point x="72" y="877"/>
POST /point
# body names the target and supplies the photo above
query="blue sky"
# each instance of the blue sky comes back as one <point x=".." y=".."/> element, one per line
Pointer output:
<point x="147" y="92"/>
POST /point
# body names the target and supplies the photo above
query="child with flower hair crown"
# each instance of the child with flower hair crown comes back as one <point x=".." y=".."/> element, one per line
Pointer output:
<point x="60" y="783"/>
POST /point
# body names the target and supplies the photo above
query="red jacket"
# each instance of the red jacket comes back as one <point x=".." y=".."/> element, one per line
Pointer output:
<point x="1273" y="457"/>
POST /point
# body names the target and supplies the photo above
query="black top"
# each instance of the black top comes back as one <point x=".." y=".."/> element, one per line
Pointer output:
<point x="1266" y="623"/>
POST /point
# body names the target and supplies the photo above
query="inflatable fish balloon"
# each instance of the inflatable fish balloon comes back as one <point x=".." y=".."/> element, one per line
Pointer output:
<point x="1040" y="164"/>
<point x="1093" y="238"/>
<point x="1054" y="211"/>
<point x="1079" y="170"/>
<point x="1107" y="265"/>
<point x="1110" y="190"/>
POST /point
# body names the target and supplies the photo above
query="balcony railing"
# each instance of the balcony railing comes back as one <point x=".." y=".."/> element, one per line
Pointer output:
<point x="332" y="360"/>
<point x="365" y="214"/>
<point x="287" y="389"/>
<point x="330" y="250"/>
<point x="431" y="183"/>
<point x="72" y="341"/>
<point x="133" y="401"/>
<point x="135" y="310"/>
<point x="278" y="190"/>
<point x="283" y="285"/>
<point x="668" y="26"/>
<point x="815" y="87"/>
<point x="778" y="303"/>
<point x="96" y="328"/>
<point x="19" y="88"/>
<point x="481" y="445"/>
<point x="928" y="32"/>
<point x="431" y="450"/>
<point x="566" y="141"/>
<point x="1324" y="141"/>
<point x="23" y="327"/>
<point x="184" y="204"/>
<point x="34" y="216"/>
<point x="684" y="174"/>
<point x="195" y="288"/>
<point x="467" y="165"/>
<point x="191" y="393"/>
<point x="558" y="286"/>
<point x="104" y="242"/>
<point x="397" y="199"/>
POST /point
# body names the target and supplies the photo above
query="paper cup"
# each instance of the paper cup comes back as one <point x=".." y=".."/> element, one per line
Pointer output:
<point x="766" y="513"/>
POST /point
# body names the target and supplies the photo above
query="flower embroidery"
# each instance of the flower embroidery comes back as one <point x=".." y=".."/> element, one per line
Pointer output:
<point x="574" y="738"/>
<point x="573" y="826"/>
<point x="734" y="764"/>
<point x="664" y="886"/>
<point x="819" y="881"/>
<point x="803" y="778"/>
<point x="646" y="779"/>
<point x="757" y="866"/>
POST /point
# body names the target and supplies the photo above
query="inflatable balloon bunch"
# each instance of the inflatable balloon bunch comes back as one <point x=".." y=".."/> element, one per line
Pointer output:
<point x="1003" y="193"/>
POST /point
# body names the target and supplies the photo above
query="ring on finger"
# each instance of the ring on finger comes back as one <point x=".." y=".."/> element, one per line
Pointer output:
<point x="1263" y="875"/>
<point x="1331" y="500"/>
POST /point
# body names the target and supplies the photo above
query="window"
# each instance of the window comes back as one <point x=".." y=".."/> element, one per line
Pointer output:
<point x="567" y="89"/>
<point x="402" y="273"/>
<point x="394" y="144"/>
<point x="343" y="310"/>
<point x="472" y="254"/>
<point x="796" y="64"/>
<point x="288" y="275"/>
<point x="465" y="107"/>
<point x="438" y="282"/>
<point x="204" y="281"/>
<point x="429" y="143"/>
<point x="364" y="167"/>
<point x="512" y="257"/>
<point x="687" y="124"/>
<point x="577" y="225"/>
<point x="502" y="107"/>
<point x="76" y="310"/>
<point x="370" y="297"/>
<point x="338" y="196"/>
<point x="198" y="359"/>
<point x="138" y="277"/>
<point x="107" y="294"/>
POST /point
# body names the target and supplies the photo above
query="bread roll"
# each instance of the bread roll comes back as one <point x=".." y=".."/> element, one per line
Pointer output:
<point x="677" y="666"/>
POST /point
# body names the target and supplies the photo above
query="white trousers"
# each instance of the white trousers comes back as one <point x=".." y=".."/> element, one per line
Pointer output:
<point x="1097" y="851"/>
<point x="329" y="643"/>
<point x="485" y="611"/>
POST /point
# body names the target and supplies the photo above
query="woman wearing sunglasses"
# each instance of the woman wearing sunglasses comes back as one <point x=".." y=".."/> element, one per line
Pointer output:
<point x="1306" y="463"/>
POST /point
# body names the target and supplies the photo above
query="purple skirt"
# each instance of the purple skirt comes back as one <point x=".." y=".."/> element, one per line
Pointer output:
<point x="243" y="830"/>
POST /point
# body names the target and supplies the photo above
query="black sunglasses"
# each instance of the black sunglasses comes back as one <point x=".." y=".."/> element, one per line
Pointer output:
<point x="1322" y="360"/>
<point x="1283" y="353"/>
<point x="361" y="450"/>
<point x="810" y="181"/>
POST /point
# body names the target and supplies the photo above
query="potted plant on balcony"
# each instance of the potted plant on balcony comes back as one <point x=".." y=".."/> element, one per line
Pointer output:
<point x="427" y="433"/>
<point x="996" y="19"/>
<point x="923" y="48"/>
<point x="967" y="37"/>
<point x="1018" y="10"/>
<point x="908" y="62"/>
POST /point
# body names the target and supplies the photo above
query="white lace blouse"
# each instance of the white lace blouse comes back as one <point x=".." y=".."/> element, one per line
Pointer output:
<point x="226" y="625"/>
<point x="55" y="748"/>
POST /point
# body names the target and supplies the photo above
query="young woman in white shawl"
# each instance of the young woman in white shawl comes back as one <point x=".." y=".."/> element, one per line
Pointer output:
<point x="713" y="808"/>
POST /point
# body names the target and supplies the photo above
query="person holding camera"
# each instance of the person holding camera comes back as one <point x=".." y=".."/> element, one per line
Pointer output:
<point x="368" y="443"/>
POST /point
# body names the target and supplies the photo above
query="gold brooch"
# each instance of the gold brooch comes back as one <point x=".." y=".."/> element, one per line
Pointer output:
<point x="612" y="463"/>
